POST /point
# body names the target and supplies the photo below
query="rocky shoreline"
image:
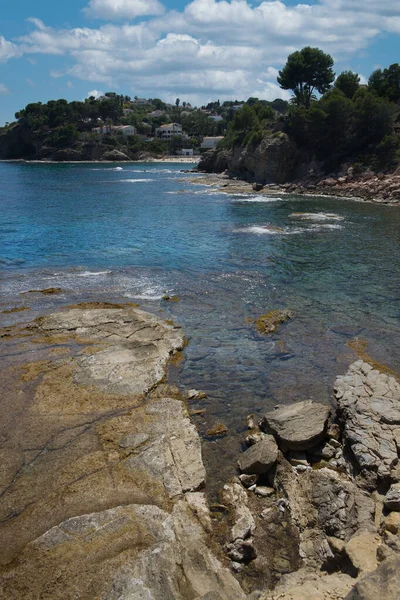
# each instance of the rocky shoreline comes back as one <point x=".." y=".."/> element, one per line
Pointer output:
<point x="368" y="186"/>
<point x="103" y="484"/>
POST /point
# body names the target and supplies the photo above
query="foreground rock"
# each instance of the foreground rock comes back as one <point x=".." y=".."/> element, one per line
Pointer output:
<point x="299" y="426"/>
<point x="101" y="467"/>
<point x="340" y="516"/>
<point x="369" y="410"/>
<point x="259" y="459"/>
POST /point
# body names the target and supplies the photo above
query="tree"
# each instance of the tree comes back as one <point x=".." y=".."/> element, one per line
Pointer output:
<point x="177" y="102"/>
<point x="305" y="71"/>
<point x="386" y="83"/>
<point x="348" y="83"/>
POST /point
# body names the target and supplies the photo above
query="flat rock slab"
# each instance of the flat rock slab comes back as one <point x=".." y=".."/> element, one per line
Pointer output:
<point x="138" y="346"/>
<point x="299" y="426"/>
<point x="259" y="459"/>
<point x="369" y="410"/>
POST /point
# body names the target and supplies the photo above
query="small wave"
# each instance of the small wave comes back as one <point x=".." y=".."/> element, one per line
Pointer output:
<point x="136" y="180"/>
<point x="262" y="230"/>
<point x="320" y="226"/>
<point x="316" y="216"/>
<point x="117" y="169"/>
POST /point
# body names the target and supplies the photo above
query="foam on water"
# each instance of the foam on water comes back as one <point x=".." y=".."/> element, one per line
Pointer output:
<point x="134" y="180"/>
<point x="320" y="216"/>
<point x="245" y="198"/>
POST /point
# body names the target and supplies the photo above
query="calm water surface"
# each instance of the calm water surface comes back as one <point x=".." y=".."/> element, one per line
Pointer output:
<point x="134" y="232"/>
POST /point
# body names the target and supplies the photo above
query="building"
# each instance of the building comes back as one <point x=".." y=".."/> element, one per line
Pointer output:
<point x="127" y="111"/>
<point x="113" y="129"/>
<point x="185" y="152"/>
<point x="157" y="113"/>
<point x="124" y="129"/>
<point x="210" y="143"/>
<point x="216" y="118"/>
<point x="166" y="132"/>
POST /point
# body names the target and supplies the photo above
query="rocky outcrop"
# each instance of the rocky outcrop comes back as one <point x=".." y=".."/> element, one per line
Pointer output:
<point x="102" y="476"/>
<point x="115" y="156"/>
<point x="259" y="458"/>
<point x="347" y="541"/>
<point x="381" y="188"/>
<point x="369" y="412"/>
<point x="273" y="160"/>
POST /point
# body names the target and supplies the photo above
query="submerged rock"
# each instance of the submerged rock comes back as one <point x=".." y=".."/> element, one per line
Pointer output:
<point x="299" y="426"/>
<point x="269" y="322"/>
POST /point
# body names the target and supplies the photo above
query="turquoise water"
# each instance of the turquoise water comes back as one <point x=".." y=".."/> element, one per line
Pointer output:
<point x="134" y="232"/>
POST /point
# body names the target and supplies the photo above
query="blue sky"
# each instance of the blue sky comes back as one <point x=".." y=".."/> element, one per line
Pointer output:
<point x="198" y="50"/>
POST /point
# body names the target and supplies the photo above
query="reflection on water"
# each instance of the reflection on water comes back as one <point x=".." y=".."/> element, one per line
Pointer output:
<point x="229" y="259"/>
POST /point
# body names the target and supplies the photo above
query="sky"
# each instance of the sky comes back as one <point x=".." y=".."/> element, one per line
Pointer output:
<point x="197" y="50"/>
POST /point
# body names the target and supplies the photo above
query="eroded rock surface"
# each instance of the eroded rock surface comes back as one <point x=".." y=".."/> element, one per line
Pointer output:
<point x="101" y="466"/>
<point x="369" y="410"/>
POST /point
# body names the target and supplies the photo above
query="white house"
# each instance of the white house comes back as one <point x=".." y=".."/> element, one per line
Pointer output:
<point x="216" y="118"/>
<point x="186" y="152"/>
<point x="124" y="129"/>
<point x="209" y="143"/>
<point x="168" y="131"/>
<point x="109" y="129"/>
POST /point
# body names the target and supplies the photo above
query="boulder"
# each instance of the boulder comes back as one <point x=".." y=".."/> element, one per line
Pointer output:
<point x="114" y="156"/>
<point x="392" y="499"/>
<point x="361" y="549"/>
<point x="381" y="583"/>
<point x="299" y="426"/>
<point x="259" y="459"/>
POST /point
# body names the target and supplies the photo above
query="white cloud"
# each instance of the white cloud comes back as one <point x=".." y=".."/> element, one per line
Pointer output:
<point x="123" y="9"/>
<point x="8" y="50"/>
<point x="227" y="48"/>
<point x="70" y="85"/>
<point x="4" y="91"/>
<point x="30" y="82"/>
<point x="95" y="93"/>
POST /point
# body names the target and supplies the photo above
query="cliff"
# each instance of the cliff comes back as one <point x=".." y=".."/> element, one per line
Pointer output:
<point x="19" y="142"/>
<point x="274" y="160"/>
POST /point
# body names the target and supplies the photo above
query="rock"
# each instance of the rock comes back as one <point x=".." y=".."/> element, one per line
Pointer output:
<point x="195" y="395"/>
<point x="369" y="412"/>
<point x="264" y="491"/>
<point x="392" y="499"/>
<point x="259" y="459"/>
<point x="235" y="498"/>
<point x="198" y="504"/>
<point x="392" y="522"/>
<point x="133" y="440"/>
<point x="381" y="583"/>
<point x="251" y="422"/>
<point x="254" y="438"/>
<point x="248" y="480"/>
<point x="269" y="322"/>
<point x="361" y="549"/>
<point x="298" y="458"/>
<point x="257" y="187"/>
<point x="241" y="551"/>
<point x="218" y="430"/>
<point x="299" y="426"/>
<point x="306" y="584"/>
<point x="114" y="156"/>
<point x="133" y="551"/>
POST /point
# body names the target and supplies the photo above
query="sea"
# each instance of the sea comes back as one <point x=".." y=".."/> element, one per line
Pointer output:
<point x="165" y="238"/>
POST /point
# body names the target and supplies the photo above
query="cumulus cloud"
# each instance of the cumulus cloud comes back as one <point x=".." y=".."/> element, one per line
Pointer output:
<point x="123" y="9"/>
<point x="4" y="91"/>
<point x="95" y="93"/>
<point x="227" y="48"/>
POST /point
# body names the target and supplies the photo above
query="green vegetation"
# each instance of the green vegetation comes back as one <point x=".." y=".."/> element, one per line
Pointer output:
<point x="349" y="123"/>
<point x="305" y="71"/>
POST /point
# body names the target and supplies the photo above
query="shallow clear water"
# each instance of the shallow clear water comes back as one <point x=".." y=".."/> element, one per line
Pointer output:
<point x="135" y="232"/>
